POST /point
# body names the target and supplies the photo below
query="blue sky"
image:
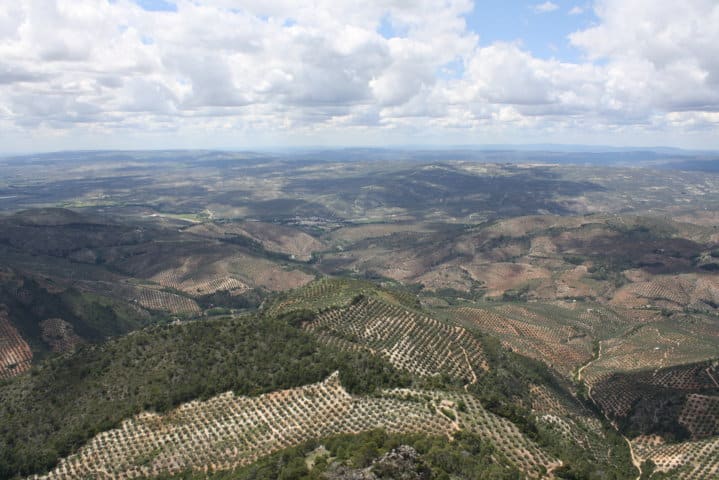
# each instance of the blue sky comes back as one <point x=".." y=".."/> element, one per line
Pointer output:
<point x="157" y="5"/>
<point x="243" y="73"/>
<point x="544" y="34"/>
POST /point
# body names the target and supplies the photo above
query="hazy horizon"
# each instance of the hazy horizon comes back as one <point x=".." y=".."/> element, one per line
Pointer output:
<point x="520" y="148"/>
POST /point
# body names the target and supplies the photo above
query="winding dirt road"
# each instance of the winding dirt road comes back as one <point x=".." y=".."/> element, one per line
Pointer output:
<point x="635" y="460"/>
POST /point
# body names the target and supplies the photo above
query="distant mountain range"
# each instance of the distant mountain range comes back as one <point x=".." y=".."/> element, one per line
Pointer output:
<point x="659" y="157"/>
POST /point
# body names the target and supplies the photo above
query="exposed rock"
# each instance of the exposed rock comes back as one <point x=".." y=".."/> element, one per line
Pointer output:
<point x="401" y="463"/>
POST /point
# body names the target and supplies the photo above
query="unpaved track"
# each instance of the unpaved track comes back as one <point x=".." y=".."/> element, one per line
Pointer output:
<point x="471" y="369"/>
<point x="710" y="376"/>
<point x="581" y="369"/>
<point x="635" y="461"/>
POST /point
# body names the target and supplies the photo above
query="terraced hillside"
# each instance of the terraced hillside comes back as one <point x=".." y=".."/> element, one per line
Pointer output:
<point x="15" y="353"/>
<point x="40" y="316"/>
<point x="147" y="297"/>
<point x="321" y="295"/>
<point x="668" y="412"/>
<point x="538" y="341"/>
<point x="673" y="401"/>
<point x="375" y="336"/>
<point x="561" y="335"/>
<point x="697" y="460"/>
<point x="697" y="291"/>
<point x="573" y="422"/>
<point x="52" y="412"/>
<point x="652" y="374"/>
<point x="226" y="431"/>
<point x="358" y="316"/>
<point x="410" y="341"/>
<point x="656" y="345"/>
<point x="354" y="315"/>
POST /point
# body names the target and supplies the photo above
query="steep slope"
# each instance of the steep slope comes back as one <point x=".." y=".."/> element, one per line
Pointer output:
<point x="450" y="352"/>
<point x="15" y="353"/>
<point x="68" y="399"/>
<point x="226" y="431"/>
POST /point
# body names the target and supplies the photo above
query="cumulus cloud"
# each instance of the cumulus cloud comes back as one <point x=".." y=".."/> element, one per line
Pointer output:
<point x="314" y="70"/>
<point x="660" y="55"/>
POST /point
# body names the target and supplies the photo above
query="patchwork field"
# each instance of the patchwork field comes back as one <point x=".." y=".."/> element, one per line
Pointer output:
<point x="560" y="335"/>
<point x="520" y="287"/>
<point x="560" y="347"/>
<point x="655" y="346"/>
<point x="630" y="397"/>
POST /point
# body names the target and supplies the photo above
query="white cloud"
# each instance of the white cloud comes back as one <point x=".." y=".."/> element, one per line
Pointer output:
<point x="545" y="7"/>
<point x="660" y="55"/>
<point x="249" y="70"/>
<point x="576" y="10"/>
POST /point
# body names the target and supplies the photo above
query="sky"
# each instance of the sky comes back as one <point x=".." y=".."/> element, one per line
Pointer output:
<point x="242" y="74"/>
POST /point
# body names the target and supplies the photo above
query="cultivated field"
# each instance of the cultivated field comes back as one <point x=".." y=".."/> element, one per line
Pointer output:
<point x="146" y="297"/>
<point x="410" y="341"/>
<point x="264" y="273"/>
<point x="608" y="276"/>
<point x="320" y="295"/>
<point x="656" y="345"/>
<point x="700" y="415"/>
<point x="671" y="292"/>
<point x="697" y="460"/>
<point x="188" y="281"/>
<point x="648" y="392"/>
<point x="559" y="337"/>
<point x="571" y="421"/>
<point x="15" y="353"/>
<point x="226" y="431"/>
<point x="502" y="276"/>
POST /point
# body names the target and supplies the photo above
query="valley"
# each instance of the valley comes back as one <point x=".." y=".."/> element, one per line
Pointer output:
<point x="243" y="315"/>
